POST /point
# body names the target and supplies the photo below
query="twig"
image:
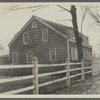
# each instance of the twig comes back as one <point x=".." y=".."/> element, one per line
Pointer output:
<point x="64" y="8"/>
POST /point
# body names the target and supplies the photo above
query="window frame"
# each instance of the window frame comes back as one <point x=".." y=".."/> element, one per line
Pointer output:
<point x="33" y="25"/>
<point x="28" y="57"/>
<point x="43" y="40"/>
<point x="50" y="59"/>
<point x="24" y="38"/>
<point x="13" y="57"/>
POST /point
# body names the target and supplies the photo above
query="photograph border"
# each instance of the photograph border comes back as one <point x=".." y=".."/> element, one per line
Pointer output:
<point x="44" y="97"/>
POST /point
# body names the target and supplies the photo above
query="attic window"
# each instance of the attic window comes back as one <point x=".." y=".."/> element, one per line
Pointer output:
<point x="34" y="25"/>
<point x="45" y="35"/>
<point x="25" y="38"/>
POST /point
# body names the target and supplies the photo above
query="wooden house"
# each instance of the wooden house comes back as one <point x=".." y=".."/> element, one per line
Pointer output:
<point x="50" y="42"/>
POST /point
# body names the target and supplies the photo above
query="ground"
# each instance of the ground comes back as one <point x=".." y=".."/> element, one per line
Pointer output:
<point x="89" y="86"/>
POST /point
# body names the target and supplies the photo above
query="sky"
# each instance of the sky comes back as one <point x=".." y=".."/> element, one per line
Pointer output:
<point x="11" y="22"/>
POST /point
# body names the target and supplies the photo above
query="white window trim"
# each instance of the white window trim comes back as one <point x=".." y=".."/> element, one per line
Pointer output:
<point x="50" y="54"/>
<point x="27" y="56"/>
<point x="43" y="33"/>
<point x="24" y="37"/>
<point x="13" y="57"/>
<point x="33" y="25"/>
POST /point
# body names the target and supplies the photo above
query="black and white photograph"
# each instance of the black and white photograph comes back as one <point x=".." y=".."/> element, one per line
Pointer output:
<point x="49" y="48"/>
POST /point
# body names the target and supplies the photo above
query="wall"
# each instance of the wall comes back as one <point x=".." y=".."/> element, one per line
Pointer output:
<point x="40" y="49"/>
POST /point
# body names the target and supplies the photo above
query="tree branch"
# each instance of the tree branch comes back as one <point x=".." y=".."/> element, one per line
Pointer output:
<point x="64" y="8"/>
<point x="83" y="17"/>
<point x="65" y="20"/>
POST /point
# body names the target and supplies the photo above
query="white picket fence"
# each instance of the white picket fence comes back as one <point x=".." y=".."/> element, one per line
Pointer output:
<point x="35" y="87"/>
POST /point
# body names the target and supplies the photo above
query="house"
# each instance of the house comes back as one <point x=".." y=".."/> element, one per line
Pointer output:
<point x="4" y="59"/>
<point x="50" y="42"/>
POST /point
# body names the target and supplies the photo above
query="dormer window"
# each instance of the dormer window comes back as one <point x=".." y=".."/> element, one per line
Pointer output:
<point x="25" y="38"/>
<point x="45" y="35"/>
<point x="34" y="25"/>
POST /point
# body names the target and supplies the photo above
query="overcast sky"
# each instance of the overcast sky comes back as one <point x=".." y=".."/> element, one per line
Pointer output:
<point x="12" y="22"/>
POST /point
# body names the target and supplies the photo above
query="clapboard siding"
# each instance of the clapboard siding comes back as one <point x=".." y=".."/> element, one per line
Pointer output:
<point x="40" y="49"/>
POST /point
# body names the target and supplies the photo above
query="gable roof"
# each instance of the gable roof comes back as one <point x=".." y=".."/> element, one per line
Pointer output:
<point x="58" y="28"/>
<point x="47" y="23"/>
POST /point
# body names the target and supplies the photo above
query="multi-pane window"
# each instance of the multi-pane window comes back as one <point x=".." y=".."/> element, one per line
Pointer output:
<point x="34" y="25"/>
<point x="73" y="53"/>
<point x="25" y="38"/>
<point x="29" y="56"/>
<point x="15" y="57"/>
<point x="52" y="54"/>
<point x="45" y="35"/>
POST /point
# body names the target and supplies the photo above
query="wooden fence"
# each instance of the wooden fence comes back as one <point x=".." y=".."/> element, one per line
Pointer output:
<point x="35" y="76"/>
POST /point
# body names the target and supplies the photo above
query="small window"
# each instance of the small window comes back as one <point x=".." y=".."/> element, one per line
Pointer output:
<point x="15" y="57"/>
<point x="25" y="38"/>
<point x="72" y="53"/>
<point x="34" y="25"/>
<point x="45" y="35"/>
<point x="52" y="54"/>
<point x="29" y="56"/>
<point x="76" y="54"/>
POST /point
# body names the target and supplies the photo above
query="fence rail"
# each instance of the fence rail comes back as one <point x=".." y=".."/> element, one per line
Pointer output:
<point x="35" y="75"/>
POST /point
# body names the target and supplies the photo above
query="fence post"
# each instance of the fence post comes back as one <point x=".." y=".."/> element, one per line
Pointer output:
<point x="82" y="65"/>
<point x="68" y="72"/>
<point x="92" y="67"/>
<point x="35" y="73"/>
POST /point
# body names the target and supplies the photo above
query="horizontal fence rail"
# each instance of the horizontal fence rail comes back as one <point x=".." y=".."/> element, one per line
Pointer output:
<point x="53" y="81"/>
<point x="16" y="66"/>
<point x="19" y="90"/>
<point x="16" y="79"/>
<point x="51" y="73"/>
<point x="20" y="78"/>
<point x="66" y="71"/>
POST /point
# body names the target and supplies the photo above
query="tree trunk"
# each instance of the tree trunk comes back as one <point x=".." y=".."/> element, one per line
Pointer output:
<point x="78" y="38"/>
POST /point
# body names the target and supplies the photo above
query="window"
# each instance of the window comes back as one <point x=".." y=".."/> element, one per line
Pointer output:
<point x="52" y="54"/>
<point x="15" y="57"/>
<point x="34" y="25"/>
<point x="45" y="35"/>
<point x="74" y="53"/>
<point x="25" y="38"/>
<point x="29" y="56"/>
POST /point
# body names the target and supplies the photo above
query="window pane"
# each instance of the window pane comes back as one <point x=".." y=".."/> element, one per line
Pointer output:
<point x="34" y="24"/>
<point x="53" y="54"/>
<point x="29" y="57"/>
<point x="45" y="35"/>
<point x="25" y="38"/>
<point x="15" y="57"/>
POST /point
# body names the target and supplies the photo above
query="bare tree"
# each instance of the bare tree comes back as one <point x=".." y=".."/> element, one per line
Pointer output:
<point x="94" y="13"/>
<point x="84" y="10"/>
<point x="18" y="7"/>
<point x="78" y="38"/>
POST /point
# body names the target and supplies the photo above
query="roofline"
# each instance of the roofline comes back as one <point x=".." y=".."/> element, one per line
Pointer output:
<point x="87" y="45"/>
<point x="43" y="22"/>
<point x="48" y="25"/>
<point x="17" y="34"/>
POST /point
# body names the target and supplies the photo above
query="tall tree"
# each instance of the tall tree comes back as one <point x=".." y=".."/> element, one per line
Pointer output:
<point x="78" y="37"/>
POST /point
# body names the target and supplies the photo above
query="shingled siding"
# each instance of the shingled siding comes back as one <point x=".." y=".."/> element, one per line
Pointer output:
<point x="72" y="44"/>
<point x="40" y="49"/>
